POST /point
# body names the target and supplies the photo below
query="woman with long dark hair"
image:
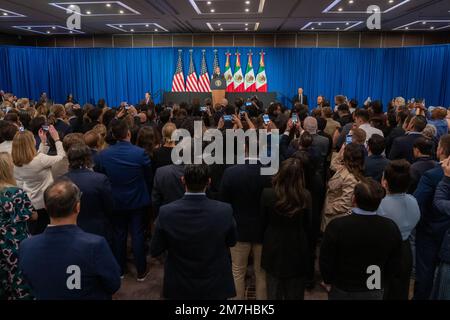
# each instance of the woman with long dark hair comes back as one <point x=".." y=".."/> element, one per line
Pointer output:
<point x="287" y="210"/>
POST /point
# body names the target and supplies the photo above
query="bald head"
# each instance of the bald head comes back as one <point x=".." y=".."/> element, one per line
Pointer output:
<point x="310" y="125"/>
<point x="62" y="199"/>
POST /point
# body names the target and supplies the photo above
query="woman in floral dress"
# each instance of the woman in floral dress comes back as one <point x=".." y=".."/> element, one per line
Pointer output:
<point x="15" y="210"/>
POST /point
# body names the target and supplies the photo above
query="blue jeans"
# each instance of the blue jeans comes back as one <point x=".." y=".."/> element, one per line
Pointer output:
<point x="427" y="251"/>
<point x="134" y="221"/>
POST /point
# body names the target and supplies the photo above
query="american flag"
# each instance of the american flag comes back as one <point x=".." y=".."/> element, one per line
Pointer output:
<point x="204" y="83"/>
<point x="178" y="78"/>
<point x="192" y="79"/>
<point x="216" y="60"/>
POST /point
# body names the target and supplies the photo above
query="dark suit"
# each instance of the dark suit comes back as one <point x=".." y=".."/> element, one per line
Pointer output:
<point x="242" y="186"/>
<point x="197" y="233"/>
<point x="167" y="186"/>
<point x="402" y="147"/>
<point x="374" y="166"/>
<point x="96" y="202"/>
<point x="44" y="260"/>
<point x="63" y="128"/>
<point x="129" y="170"/>
<point x="303" y="99"/>
<point x="418" y="168"/>
<point x="429" y="232"/>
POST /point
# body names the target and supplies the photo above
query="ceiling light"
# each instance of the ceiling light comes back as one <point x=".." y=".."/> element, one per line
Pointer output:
<point x="121" y="12"/>
<point x="121" y="26"/>
<point x="29" y="28"/>
<point x="221" y="29"/>
<point x="340" y="9"/>
<point x="246" y="24"/>
<point x="72" y="6"/>
<point x="219" y="24"/>
<point x="108" y="5"/>
<point x="212" y="10"/>
<point x="391" y="1"/>
<point x="406" y="28"/>
<point x="247" y="2"/>
<point x="431" y="27"/>
<point x="320" y="23"/>
<point x="88" y="12"/>
<point x="312" y="28"/>
<point x="350" y="1"/>
<point x="48" y="32"/>
<point x="54" y="28"/>
<point x="71" y="32"/>
<point x="209" y="3"/>
<point x="337" y="28"/>
<point x="156" y="30"/>
<point x="424" y="22"/>
<point x="5" y="13"/>
<point x="147" y="25"/>
<point x="132" y="30"/>
<point x="347" y="23"/>
<point x="247" y="10"/>
<point x="246" y="29"/>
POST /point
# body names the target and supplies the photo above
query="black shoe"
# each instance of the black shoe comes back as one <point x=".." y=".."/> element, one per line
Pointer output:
<point x="143" y="276"/>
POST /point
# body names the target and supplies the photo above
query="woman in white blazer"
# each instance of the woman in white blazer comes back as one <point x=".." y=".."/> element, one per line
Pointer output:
<point x="32" y="170"/>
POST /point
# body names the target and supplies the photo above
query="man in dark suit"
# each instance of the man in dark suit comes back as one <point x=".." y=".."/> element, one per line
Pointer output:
<point x="167" y="186"/>
<point x="300" y="98"/>
<point x="129" y="170"/>
<point x="197" y="233"/>
<point x="65" y="263"/>
<point x="375" y="163"/>
<point x="242" y="186"/>
<point x="345" y="257"/>
<point x="402" y="147"/>
<point x="432" y="225"/>
<point x="97" y="202"/>
<point x="423" y="150"/>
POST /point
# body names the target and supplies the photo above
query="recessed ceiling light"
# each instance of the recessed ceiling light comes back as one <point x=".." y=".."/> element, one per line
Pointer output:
<point x="350" y="1"/>
<point x="312" y="28"/>
<point x="246" y="24"/>
<point x="391" y="1"/>
<point x="71" y="32"/>
<point x="156" y="30"/>
<point x="48" y="32"/>
<point x="72" y="6"/>
<point x="132" y="30"/>
<point x="147" y="25"/>
<point x="247" y="10"/>
<point x="121" y="26"/>
<point x="54" y="28"/>
<point x="431" y="27"/>
<point x="340" y="9"/>
<point x="88" y="12"/>
<point x="29" y="28"/>
<point x="246" y="29"/>
<point x="121" y="12"/>
<point x="209" y="3"/>
<point x="337" y="28"/>
<point x="212" y="10"/>
<point x="108" y="5"/>
<point x="424" y="22"/>
<point x="406" y="28"/>
<point x="219" y="24"/>
<point x="320" y="23"/>
<point x="247" y="2"/>
<point x="221" y="29"/>
<point x="347" y="23"/>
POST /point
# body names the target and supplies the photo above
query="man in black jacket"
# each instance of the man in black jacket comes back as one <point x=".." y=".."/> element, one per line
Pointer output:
<point x="402" y="147"/>
<point x="361" y="252"/>
<point x="376" y="162"/>
<point x="197" y="233"/>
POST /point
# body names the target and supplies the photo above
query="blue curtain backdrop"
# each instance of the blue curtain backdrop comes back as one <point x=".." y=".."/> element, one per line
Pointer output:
<point x="126" y="74"/>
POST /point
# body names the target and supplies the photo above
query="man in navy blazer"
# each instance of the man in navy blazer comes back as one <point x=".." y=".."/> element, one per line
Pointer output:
<point x="129" y="171"/>
<point x="432" y="225"/>
<point x="97" y="202"/>
<point x="197" y="233"/>
<point x="64" y="262"/>
<point x="402" y="147"/>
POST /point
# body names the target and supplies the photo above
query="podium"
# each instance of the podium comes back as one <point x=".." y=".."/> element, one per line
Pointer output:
<point x="218" y="88"/>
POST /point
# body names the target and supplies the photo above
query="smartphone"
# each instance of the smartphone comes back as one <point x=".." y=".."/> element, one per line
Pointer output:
<point x="227" y="118"/>
<point x="242" y="113"/>
<point x="349" y="139"/>
<point x="266" y="119"/>
<point x="45" y="127"/>
<point x="294" y="118"/>
<point x="248" y="104"/>
<point x="203" y="109"/>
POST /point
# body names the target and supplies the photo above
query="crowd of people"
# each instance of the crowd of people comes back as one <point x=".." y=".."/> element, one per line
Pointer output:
<point x="362" y="191"/>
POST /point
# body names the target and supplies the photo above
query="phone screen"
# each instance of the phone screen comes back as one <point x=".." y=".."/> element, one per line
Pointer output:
<point x="227" y="118"/>
<point x="248" y="104"/>
<point x="294" y="118"/>
<point x="203" y="109"/>
<point x="349" y="139"/>
<point x="45" y="127"/>
<point x="266" y="119"/>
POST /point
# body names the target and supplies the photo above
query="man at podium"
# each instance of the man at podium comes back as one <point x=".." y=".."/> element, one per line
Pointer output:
<point x="218" y="86"/>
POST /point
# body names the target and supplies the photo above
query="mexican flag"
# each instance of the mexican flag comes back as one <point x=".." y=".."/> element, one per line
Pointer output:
<point x="261" y="78"/>
<point x="250" y="81"/>
<point x="229" y="74"/>
<point x="238" y="76"/>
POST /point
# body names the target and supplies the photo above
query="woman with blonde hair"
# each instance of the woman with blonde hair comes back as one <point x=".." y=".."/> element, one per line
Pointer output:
<point x="102" y="131"/>
<point x="163" y="155"/>
<point x="33" y="170"/>
<point x="15" y="210"/>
